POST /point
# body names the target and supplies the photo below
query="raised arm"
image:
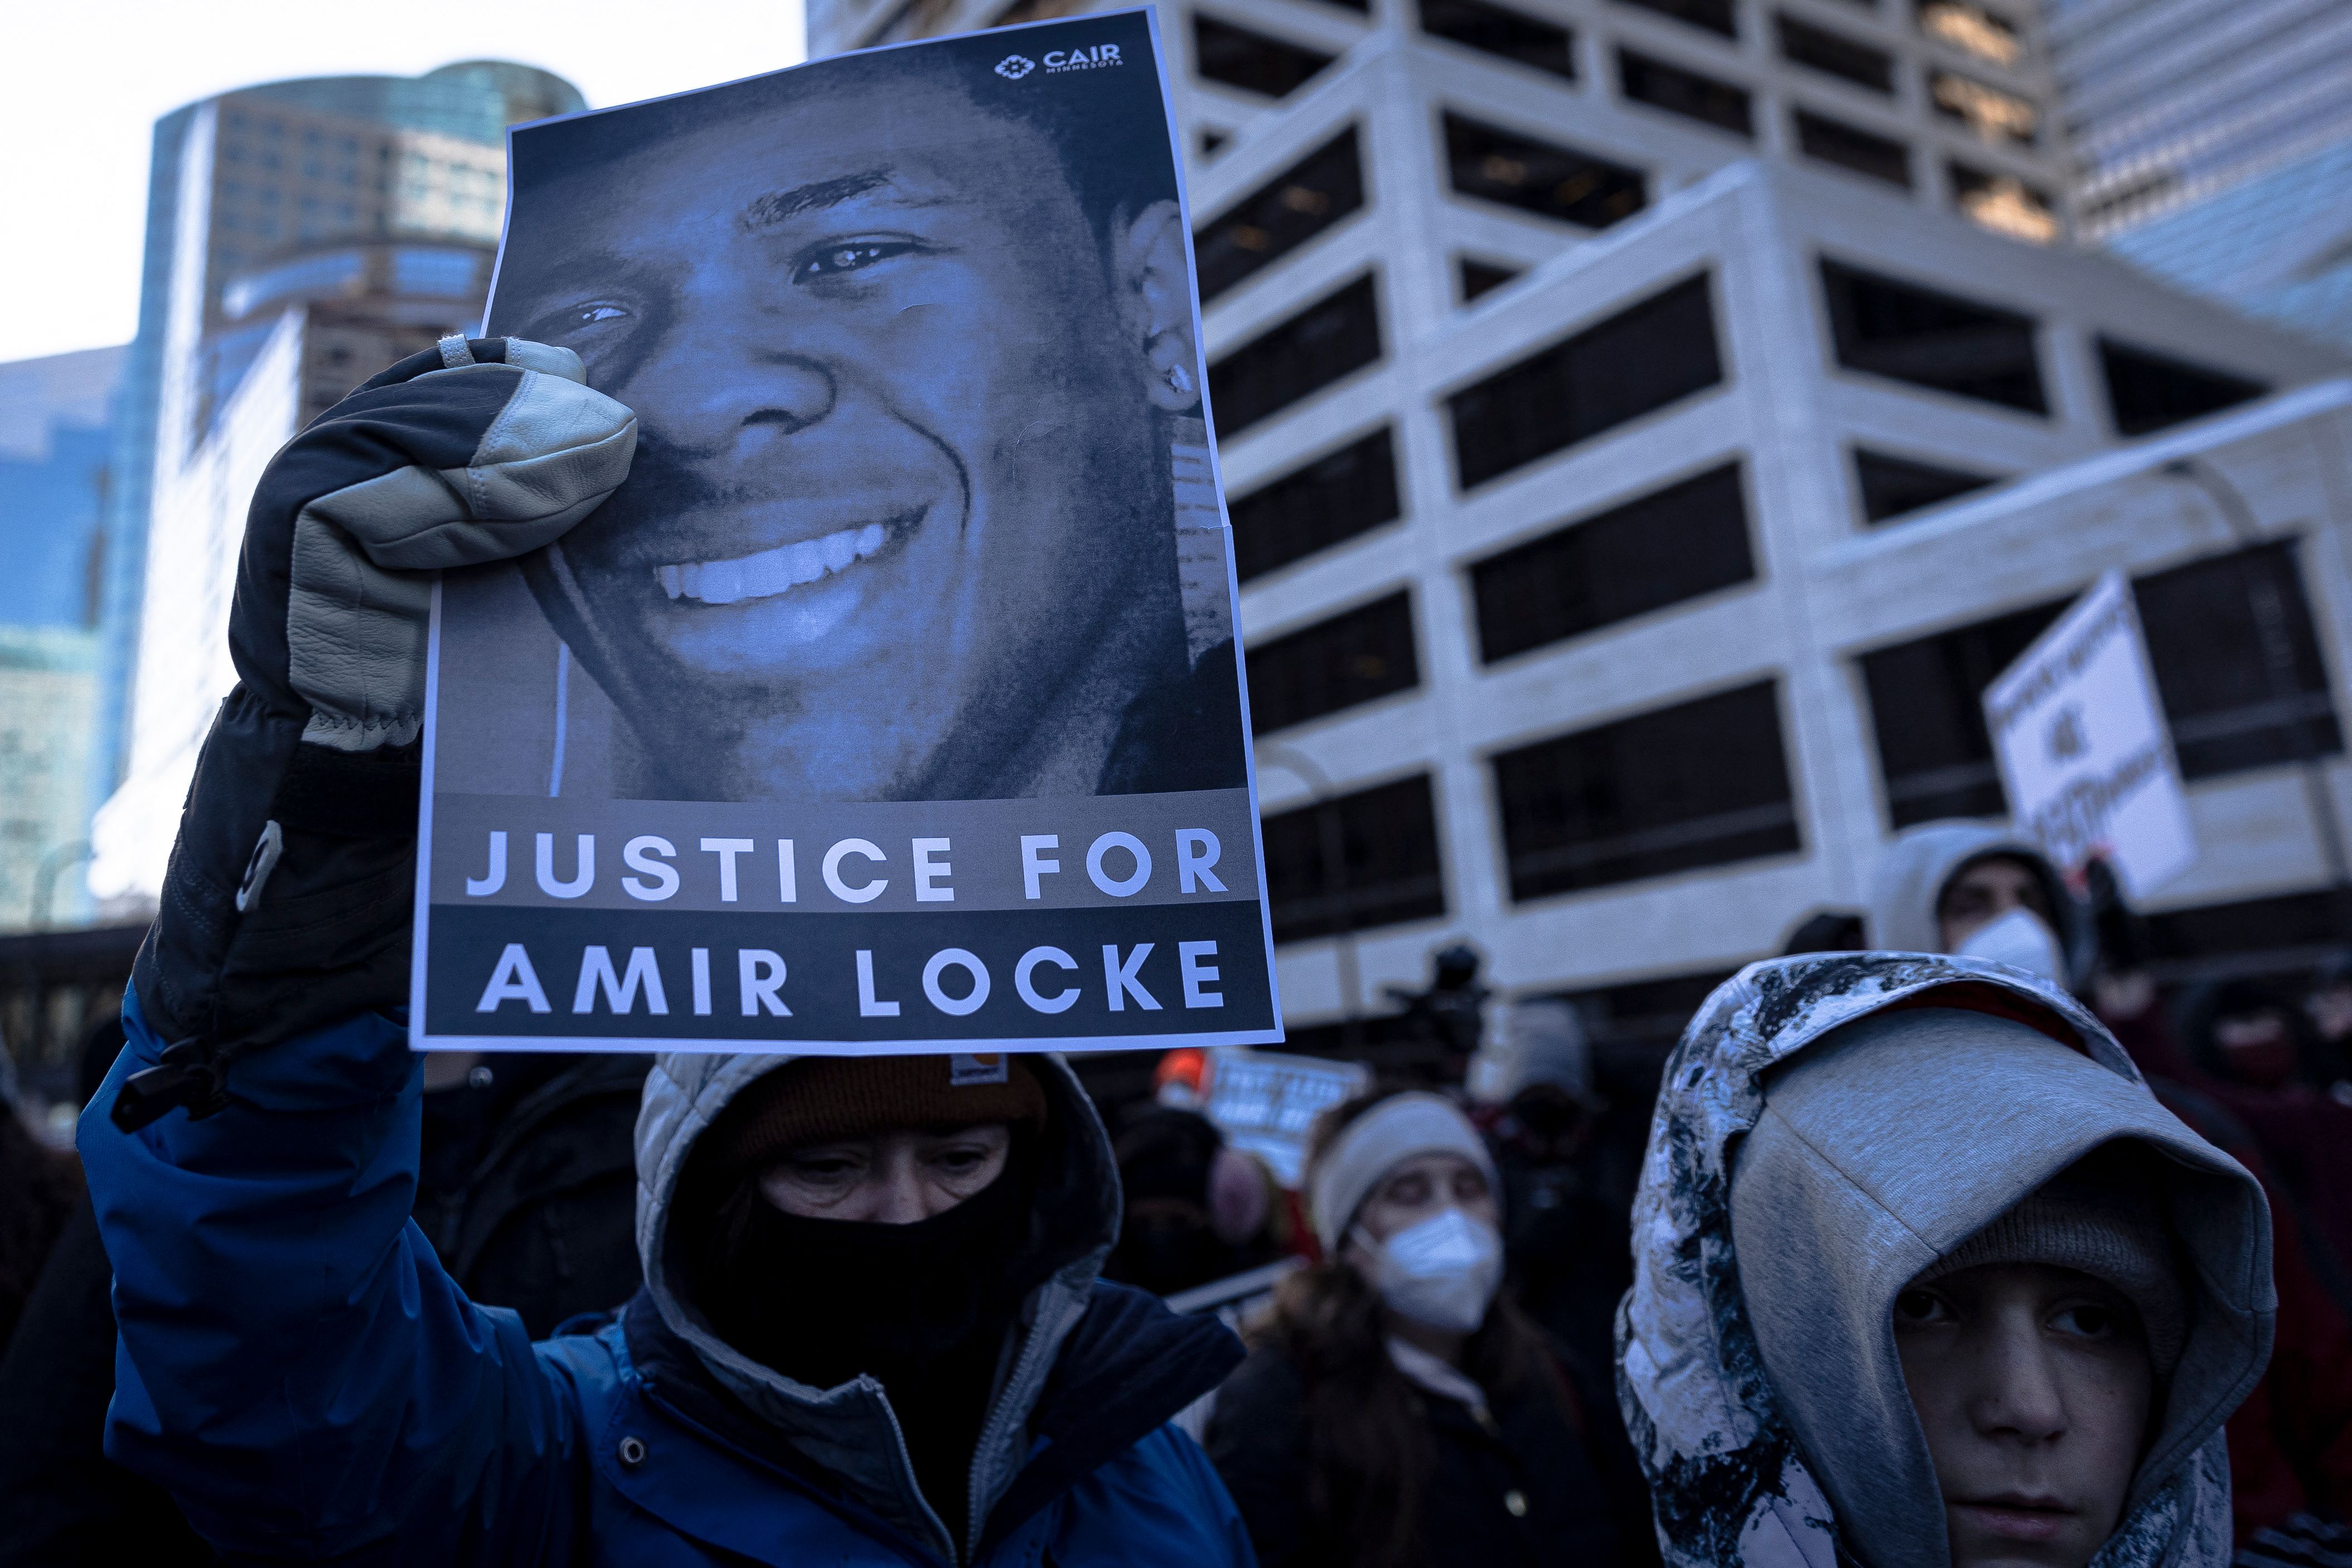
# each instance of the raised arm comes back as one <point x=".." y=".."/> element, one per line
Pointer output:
<point x="294" y="1365"/>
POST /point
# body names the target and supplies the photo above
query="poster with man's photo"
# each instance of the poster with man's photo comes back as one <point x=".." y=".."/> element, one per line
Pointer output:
<point x="895" y="701"/>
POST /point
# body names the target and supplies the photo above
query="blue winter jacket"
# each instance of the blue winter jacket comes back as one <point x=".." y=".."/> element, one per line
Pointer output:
<point x="296" y="1367"/>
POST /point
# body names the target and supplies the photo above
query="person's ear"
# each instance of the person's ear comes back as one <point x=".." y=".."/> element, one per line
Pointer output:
<point x="1148" y="260"/>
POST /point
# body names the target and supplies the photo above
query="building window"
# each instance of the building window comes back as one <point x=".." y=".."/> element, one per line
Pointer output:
<point x="1353" y="490"/>
<point x="2233" y="698"/>
<point x="1971" y="29"/>
<point x="2004" y="203"/>
<point x="1639" y="360"/>
<point x="2111" y="203"/>
<point x="1359" y="656"/>
<point x="1835" y="142"/>
<point x="1280" y="215"/>
<point x="1479" y="277"/>
<point x="1926" y="709"/>
<point x="1670" y="545"/>
<point x="2227" y="711"/>
<point x="1896" y="487"/>
<point x="1687" y="93"/>
<point x="1992" y="114"/>
<point x="1354" y="863"/>
<point x="2149" y="390"/>
<point x="1253" y="62"/>
<point x="1540" y="177"/>
<point x="1501" y="31"/>
<point x="1834" y="54"/>
<point x="1334" y="337"/>
<point x="1714" y="16"/>
<point x="1908" y="333"/>
<point x="2308" y="921"/>
<point x="1700" y="784"/>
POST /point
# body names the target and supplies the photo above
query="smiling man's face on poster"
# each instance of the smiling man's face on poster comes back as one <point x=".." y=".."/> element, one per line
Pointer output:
<point x="910" y="341"/>
<point x="893" y="703"/>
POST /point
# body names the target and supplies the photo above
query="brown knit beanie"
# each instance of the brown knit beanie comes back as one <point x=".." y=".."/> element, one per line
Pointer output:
<point x="822" y="1099"/>
<point x="2116" y="1234"/>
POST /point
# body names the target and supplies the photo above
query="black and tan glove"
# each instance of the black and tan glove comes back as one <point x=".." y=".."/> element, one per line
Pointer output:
<point x="287" y="900"/>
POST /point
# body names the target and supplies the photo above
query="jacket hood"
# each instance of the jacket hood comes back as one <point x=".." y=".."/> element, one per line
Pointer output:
<point x="851" y="1430"/>
<point x="1914" y="868"/>
<point x="1828" y="1127"/>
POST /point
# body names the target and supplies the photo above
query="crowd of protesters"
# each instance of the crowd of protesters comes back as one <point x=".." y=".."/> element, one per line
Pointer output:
<point x="1954" y="1241"/>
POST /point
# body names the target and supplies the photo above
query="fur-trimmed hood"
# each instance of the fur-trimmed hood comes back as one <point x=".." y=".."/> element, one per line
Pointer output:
<point x="1932" y="1124"/>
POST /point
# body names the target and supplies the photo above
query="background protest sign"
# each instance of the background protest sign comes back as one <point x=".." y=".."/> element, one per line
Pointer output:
<point x="894" y="702"/>
<point x="2084" y="750"/>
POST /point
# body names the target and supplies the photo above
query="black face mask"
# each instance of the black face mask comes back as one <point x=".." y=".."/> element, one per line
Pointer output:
<point x="822" y="1300"/>
<point x="924" y="1308"/>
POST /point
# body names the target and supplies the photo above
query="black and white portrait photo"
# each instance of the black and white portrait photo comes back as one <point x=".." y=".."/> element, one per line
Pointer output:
<point x="910" y="339"/>
<point x="894" y="700"/>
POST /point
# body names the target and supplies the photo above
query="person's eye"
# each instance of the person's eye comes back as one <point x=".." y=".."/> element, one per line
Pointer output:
<point x="1469" y="1186"/>
<point x="1918" y="1307"/>
<point x="2089" y="1320"/>
<point x="572" y="319"/>
<point x="823" y="1169"/>
<point x="844" y="256"/>
<point x="960" y="1161"/>
<point x="1409" y="1190"/>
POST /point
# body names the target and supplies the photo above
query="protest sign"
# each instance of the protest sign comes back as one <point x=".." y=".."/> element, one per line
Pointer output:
<point x="894" y="702"/>
<point x="2083" y="747"/>
<point x="1266" y="1103"/>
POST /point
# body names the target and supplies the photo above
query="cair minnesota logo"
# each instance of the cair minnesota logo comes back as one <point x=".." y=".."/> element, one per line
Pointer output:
<point x="1012" y="67"/>
<point x="1083" y="59"/>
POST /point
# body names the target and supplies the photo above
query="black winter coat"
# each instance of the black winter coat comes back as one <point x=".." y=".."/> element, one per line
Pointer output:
<point x="529" y="1194"/>
<point x="1529" y="1491"/>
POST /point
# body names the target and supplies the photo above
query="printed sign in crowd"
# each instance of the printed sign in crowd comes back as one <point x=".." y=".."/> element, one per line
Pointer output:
<point x="894" y="702"/>
<point x="2084" y="754"/>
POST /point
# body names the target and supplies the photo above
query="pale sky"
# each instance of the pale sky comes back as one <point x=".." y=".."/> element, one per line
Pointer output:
<point x="77" y="130"/>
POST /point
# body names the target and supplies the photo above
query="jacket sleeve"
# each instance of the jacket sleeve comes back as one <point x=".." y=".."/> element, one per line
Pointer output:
<point x="293" y="1363"/>
<point x="1257" y="1440"/>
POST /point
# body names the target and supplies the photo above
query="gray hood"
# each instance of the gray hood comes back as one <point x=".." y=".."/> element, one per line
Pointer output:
<point x="851" y="1430"/>
<point x="1809" y="1155"/>
<point x="1913" y="869"/>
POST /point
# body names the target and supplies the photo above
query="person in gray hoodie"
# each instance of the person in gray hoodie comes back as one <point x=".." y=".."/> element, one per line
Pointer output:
<point x="1925" y="1277"/>
<point x="1964" y="887"/>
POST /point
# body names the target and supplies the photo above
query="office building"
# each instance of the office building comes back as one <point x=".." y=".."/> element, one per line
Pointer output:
<point x="1627" y="525"/>
<point x="2167" y="102"/>
<point x="54" y="440"/>
<point x="2210" y="145"/>
<point x="1945" y="100"/>
<point x="300" y="235"/>
<point x="2277" y="245"/>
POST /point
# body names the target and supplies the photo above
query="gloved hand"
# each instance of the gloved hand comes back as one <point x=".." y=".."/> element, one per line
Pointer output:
<point x="287" y="900"/>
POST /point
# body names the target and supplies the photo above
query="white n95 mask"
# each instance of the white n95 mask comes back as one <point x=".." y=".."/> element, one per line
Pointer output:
<point x="2022" y="940"/>
<point x="1442" y="1272"/>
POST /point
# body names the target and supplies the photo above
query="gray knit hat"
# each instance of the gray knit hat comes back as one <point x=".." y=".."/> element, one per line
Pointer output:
<point x="2088" y="1219"/>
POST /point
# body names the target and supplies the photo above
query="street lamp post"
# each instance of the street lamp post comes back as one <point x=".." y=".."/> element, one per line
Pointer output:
<point x="2269" y="611"/>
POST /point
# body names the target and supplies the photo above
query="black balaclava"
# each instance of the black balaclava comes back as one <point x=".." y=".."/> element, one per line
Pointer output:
<point x="925" y="1309"/>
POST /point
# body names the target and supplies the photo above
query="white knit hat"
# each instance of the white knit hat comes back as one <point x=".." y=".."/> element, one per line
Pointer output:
<point x="1378" y="1142"/>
